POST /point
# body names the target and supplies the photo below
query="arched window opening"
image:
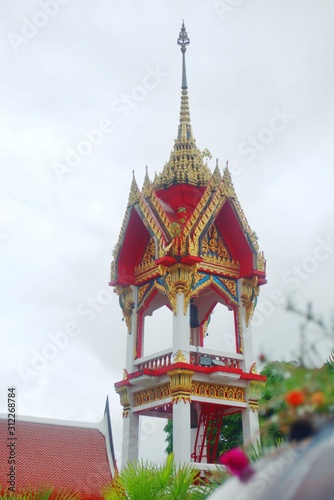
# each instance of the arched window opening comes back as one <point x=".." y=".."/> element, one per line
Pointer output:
<point x="158" y="331"/>
<point x="220" y="334"/>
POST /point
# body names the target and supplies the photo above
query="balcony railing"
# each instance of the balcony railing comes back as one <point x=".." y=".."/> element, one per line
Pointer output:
<point x="159" y="360"/>
<point x="198" y="356"/>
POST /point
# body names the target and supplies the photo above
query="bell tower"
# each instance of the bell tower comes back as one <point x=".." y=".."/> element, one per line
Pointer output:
<point x="185" y="244"/>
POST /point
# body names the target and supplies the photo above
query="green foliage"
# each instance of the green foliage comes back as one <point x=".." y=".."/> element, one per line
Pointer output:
<point x="169" y="438"/>
<point x="38" y="494"/>
<point x="143" y="480"/>
<point x="329" y="368"/>
<point x="279" y="407"/>
<point x="255" y="452"/>
<point x="314" y="386"/>
<point x="230" y="433"/>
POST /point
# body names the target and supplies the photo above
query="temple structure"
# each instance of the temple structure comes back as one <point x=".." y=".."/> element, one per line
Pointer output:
<point x="185" y="244"/>
<point x="60" y="454"/>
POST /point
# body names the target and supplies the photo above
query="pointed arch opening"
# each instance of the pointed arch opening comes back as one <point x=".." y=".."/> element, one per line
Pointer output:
<point x="220" y="332"/>
<point x="157" y="331"/>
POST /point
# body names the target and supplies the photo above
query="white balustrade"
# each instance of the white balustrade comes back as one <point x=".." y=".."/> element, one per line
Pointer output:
<point x="165" y="358"/>
<point x="159" y="360"/>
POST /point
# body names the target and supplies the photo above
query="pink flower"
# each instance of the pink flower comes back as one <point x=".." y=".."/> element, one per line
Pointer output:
<point x="237" y="463"/>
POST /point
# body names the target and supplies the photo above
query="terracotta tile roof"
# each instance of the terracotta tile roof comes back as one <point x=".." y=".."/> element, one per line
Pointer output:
<point x="64" y="455"/>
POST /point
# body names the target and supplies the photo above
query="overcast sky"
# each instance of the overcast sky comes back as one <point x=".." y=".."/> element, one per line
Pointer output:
<point x="89" y="92"/>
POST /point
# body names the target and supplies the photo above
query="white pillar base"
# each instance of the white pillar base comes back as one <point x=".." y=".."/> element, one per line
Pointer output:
<point x="181" y="433"/>
<point x="250" y="427"/>
<point x="130" y="445"/>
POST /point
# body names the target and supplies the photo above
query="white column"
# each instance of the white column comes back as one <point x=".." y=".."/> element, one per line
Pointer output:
<point x="181" y="433"/>
<point x="250" y="418"/>
<point x="247" y="344"/>
<point x="131" y="338"/>
<point x="250" y="427"/>
<point x="130" y="445"/>
<point x="181" y="328"/>
<point x="246" y="334"/>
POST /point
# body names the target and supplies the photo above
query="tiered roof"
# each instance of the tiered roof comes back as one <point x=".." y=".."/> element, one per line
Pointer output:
<point x="171" y="216"/>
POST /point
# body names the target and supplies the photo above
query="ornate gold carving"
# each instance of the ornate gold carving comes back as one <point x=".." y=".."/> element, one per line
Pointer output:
<point x="134" y="192"/>
<point x="213" y="244"/>
<point x="149" y="254"/>
<point x="216" y="391"/>
<point x="215" y="252"/>
<point x="150" y="220"/>
<point x="141" y="291"/>
<point x="205" y="283"/>
<point x="146" y="216"/>
<point x="255" y="389"/>
<point x="198" y="211"/>
<point x="179" y="278"/>
<point x="227" y="187"/>
<point x="225" y="268"/>
<point x="126" y="303"/>
<point x="180" y="384"/>
<point x="239" y="331"/>
<point x="253" y="405"/>
<point x="112" y="271"/>
<point x="180" y="357"/>
<point x="156" y="205"/>
<point x="261" y="262"/>
<point x="147" y="188"/>
<point x="249" y="294"/>
<point x="151" y="395"/>
<point x="216" y="177"/>
<point x="205" y="326"/>
<point x="231" y="286"/>
<point x="120" y="237"/>
<point x="203" y="221"/>
<point x="208" y="208"/>
<point x="151" y="272"/>
<point x="124" y="397"/>
<point x="185" y="165"/>
<point x="253" y="368"/>
<point x="148" y="260"/>
<point x="200" y="284"/>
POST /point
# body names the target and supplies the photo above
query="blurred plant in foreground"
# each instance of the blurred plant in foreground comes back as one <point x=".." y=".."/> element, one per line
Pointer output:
<point x="294" y="393"/>
<point x="148" y="481"/>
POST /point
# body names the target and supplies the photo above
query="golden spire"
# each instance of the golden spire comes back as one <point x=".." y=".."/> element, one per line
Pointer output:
<point x="185" y="165"/>
<point x="134" y="191"/>
<point x="147" y="186"/>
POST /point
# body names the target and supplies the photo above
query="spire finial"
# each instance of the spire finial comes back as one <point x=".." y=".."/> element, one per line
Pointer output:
<point x="183" y="41"/>
<point x="184" y="131"/>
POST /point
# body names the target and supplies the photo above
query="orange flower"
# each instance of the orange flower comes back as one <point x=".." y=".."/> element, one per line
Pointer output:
<point x="295" y="398"/>
<point x="318" y="398"/>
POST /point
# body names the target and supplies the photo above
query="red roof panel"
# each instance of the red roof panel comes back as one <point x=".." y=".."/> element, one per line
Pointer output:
<point x="62" y="456"/>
